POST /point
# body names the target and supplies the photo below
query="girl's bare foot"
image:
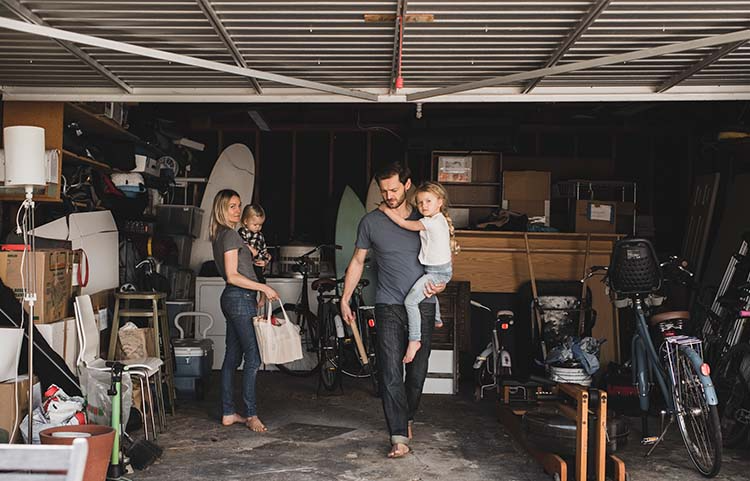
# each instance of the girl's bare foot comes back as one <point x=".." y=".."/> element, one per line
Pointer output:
<point x="411" y="351"/>
<point x="254" y="424"/>
<point x="232" y="419"/>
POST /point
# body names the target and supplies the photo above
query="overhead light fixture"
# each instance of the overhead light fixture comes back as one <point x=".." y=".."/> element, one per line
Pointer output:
<point x="259" y="120"/>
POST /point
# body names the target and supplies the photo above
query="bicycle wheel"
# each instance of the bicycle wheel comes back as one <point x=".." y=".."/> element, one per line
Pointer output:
<point x="329" y="353"/>
<point x="733" y="389"/>
<point x="310" y="363"/>
<point x="698" y="421"/>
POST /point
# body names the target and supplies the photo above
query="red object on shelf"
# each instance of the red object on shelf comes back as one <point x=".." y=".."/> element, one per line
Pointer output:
<point x="14" y="247"/>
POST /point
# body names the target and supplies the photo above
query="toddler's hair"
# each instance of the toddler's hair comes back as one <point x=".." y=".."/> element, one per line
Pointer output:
<point x="253" y="210"/>
<point x="439" y="191"/>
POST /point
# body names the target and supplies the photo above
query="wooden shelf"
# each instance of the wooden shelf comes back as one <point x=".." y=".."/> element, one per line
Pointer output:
<point x="97" y="124"/>
<point x="70" y="157"/>
<point x="487" y="184"/>
<point x="481" y="206"/>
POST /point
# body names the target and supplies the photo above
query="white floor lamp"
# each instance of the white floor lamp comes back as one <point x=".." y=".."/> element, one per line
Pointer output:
<point x="25" y="166"/>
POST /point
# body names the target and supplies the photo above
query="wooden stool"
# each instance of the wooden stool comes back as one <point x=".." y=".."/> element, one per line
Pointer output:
<point x="158" y="321"/>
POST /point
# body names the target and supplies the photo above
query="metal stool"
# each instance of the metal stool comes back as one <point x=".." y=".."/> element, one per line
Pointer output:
<point x="157" y="316"/>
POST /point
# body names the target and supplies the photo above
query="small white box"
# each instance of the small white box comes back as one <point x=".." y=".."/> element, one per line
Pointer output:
<point x="146" y="165"/>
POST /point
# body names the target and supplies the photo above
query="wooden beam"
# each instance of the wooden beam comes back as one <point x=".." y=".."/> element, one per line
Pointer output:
<point x="596" y="9"/>
<point x="692" y="70"/>
<point x="390" y="17"/>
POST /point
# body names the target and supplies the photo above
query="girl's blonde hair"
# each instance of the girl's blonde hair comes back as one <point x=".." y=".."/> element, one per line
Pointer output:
<point x="219" y="212"/>
<point x="253" y="210"/>
<point x="439" y="191"/>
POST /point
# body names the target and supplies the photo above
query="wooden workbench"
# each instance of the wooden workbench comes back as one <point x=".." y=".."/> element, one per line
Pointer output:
<point x="496" y="262"/>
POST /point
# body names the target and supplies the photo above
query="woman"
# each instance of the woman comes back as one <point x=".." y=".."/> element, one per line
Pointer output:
<point x="239" y="305"/>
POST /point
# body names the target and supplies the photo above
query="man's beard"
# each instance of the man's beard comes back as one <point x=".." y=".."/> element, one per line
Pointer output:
<point x="399" y="202"/>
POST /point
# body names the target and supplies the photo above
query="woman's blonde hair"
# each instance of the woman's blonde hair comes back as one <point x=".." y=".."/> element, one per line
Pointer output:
<point x="253" y="210"/>
<point x="219" y="212"/>
<point x="439" y="191"/>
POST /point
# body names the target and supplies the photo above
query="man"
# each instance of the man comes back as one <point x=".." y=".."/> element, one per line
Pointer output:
<point x="396" y="253"/>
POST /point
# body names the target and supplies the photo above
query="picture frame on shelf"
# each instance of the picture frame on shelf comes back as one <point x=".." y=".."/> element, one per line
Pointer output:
<point x="453" y="168"/>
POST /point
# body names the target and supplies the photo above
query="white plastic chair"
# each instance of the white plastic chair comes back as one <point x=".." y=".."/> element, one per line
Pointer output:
<point x="35" y="461"/>
<point x="145" y="369"/>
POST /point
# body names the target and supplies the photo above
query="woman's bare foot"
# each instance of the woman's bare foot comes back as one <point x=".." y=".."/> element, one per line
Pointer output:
<point x="254" y="424"/>
<point x="411" y="351"/>
<point x="232" y="419"/>
<point x="399" y="450"/>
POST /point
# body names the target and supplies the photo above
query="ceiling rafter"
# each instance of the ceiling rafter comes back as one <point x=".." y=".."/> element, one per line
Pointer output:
<point x="692" y="70"/>
<point x="221" y="31"/>
<point x="400" y="14"/>
<point x="596" y="9"/>
<point x="741" y="35"/>
<point x="29" y="16"/>
<point x="178" y="58"/>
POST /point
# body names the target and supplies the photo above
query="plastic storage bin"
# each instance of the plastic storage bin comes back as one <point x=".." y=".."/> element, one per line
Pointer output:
<point x="179" y="219"/>
<point x="193" y="357"/>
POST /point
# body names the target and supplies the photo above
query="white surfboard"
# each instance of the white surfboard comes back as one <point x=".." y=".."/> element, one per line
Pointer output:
<point x="235" y="169"/>
<point x="351" y="210"/>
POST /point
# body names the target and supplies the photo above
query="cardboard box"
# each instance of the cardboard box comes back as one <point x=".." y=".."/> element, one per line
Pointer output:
<point x="527" y="192"/>
<point x="9" y="392"/>
<point x="62" y="336"/>
<point x="53" y="279"/>
<point x="526" y="185"/>
<point x="95" y="233"/>
<point x="595" y="217"/>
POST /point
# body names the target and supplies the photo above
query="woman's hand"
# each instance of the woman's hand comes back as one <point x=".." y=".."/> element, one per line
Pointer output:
<point x="270" y="294"/>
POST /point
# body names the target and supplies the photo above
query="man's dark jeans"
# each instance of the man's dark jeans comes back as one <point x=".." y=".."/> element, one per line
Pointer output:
<point x="401" y="398"/>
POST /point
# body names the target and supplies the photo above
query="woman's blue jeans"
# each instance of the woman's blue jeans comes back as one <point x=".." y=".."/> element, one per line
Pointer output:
<point x="239" y="306"/>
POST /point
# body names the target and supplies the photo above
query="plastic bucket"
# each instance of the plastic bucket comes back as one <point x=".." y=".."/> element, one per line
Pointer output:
<point x="99" y="438"/>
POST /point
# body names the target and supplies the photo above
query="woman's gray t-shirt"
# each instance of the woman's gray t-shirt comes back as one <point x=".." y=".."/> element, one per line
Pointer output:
<point x="229" y="239"/>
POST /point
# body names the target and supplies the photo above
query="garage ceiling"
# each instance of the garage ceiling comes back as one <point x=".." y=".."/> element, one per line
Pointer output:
<point x="348" y="51"/>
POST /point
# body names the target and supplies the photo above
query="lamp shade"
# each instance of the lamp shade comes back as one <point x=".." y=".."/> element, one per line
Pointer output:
<point x="25" y="162"/>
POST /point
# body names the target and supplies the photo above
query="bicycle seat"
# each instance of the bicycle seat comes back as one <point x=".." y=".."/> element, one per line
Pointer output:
<point x="324" y="285"/>
<point x="669" y="316"/>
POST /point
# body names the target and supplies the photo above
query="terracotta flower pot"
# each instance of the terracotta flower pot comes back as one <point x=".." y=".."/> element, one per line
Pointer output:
<point x="100" y="440"/>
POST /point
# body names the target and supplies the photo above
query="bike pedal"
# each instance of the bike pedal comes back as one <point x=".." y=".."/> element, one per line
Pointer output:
<point x="649" y="440"/>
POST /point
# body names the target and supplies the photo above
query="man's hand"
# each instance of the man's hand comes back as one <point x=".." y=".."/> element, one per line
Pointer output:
<point x="431" y="289"/>
<point x="346" y="312"/>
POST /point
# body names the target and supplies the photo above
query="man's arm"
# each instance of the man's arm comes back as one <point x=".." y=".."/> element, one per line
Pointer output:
<point x="353" y="275"/>
<point x="412" y="225"/>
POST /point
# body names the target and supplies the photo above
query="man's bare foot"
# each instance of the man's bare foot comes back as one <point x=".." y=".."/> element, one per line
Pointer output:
<point x="232" y="419"/>
<point x="254" y="424"/>
<point x="411" y="351"/>
<point x="399" y="450"/>
<point x="409" y="431"/>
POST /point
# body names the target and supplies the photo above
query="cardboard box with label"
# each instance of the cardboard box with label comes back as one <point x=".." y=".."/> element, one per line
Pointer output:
<point x="595" y="217"/>
<point x="53" y="281"/>
<point x="62" y="337"/>
<point x="527" y="192"/>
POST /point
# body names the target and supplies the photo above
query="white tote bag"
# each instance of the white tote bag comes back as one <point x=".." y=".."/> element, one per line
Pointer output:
<point x="278" y="339"/>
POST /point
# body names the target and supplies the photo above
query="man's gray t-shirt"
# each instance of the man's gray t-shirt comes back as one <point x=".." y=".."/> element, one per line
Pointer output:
<point x="396" y="253"/>
<point x="227" y="240"/>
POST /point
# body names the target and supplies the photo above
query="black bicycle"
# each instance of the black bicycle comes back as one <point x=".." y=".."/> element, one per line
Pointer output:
<point x="345" y="349"/>
<point x="304" y="317"/>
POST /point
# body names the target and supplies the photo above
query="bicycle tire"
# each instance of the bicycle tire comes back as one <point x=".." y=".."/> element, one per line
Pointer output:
<point x="309" y="343"/>
<point x="733" y="389"/>
<point x="697" y="420"/>
<point x="329" y="353"/>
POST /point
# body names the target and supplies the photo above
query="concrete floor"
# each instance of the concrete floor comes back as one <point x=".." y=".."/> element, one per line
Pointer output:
<point x="343" y="437"/>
